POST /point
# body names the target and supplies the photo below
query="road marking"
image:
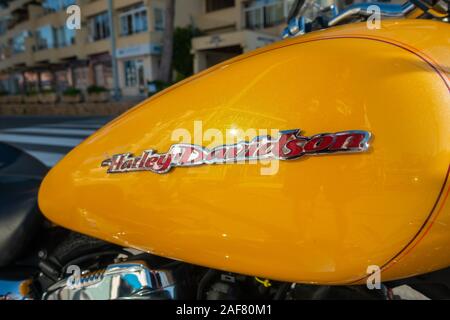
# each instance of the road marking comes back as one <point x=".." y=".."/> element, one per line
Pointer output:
<point x="78" y="132"/>
<point x="48" y="158"/>
<point x="74" y="125"/>
<point x="42" y="140"/>
<point x="41" y="145"/>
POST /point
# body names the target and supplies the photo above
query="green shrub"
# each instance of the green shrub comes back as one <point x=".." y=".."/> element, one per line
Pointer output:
<point x="47" y="91"/>
<point x="96" y="89"/>
<point x="31" y="93"/>
<point x="183" y="60"/>
<point x="72" y="92"/>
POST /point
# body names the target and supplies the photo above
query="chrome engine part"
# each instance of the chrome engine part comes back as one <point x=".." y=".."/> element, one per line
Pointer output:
<point x="129" y="280"/>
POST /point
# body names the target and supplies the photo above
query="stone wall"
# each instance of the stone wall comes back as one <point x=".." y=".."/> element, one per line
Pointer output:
<point x="66" y="109"/>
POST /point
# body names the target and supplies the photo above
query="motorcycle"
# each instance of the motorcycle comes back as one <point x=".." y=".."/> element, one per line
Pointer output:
<point x="140" y="210"/>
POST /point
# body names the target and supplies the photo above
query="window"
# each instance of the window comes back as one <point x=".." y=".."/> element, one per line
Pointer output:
<point x="48" y="37"/>
<point x="63" y="79"/>
<point x="133" y="21"/>
<point x="158" y="14"/>
<point x="81" y="77"/>
<point x="130" y="73"/>
<point x="265" y="13"/>
<point x="3" y="26"/>
<point x="64" y="37"/>
<point x="103" y="75"/>
<point x="45" y="38"/>
<point x="99" y="27"/>
<point x="213" y="5"/>
<point x="134" y="73"/>
<point x="56" y="5"/>
<point x="3" y="52"/>
<point x="18" y="42"/>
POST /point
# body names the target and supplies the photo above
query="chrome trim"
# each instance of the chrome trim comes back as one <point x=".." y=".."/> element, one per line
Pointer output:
<point x="294" y="31"/>
<point x="120" y="281"/>
<point x="293" y="26"/>
<point x="296" y="27"/>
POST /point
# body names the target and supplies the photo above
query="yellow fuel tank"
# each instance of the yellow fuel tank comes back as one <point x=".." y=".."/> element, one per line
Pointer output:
<point x="321" y="219"/>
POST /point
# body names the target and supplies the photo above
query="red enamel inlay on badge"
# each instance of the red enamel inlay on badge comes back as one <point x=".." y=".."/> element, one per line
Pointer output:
<point x="289" y="145"/>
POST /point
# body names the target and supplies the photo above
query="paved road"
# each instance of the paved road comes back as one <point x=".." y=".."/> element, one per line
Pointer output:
<point x="48" y="138"/>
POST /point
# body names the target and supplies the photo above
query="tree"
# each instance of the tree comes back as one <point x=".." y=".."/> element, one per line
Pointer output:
<point x="165" y="68"/>
<point x="183" y="59"/>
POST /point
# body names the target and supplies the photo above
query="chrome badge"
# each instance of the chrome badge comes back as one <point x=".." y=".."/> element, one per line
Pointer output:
<point x="289" y="145"/>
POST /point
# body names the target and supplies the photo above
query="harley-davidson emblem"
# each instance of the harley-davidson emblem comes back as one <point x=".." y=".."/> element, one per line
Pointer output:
<point x="289" y="145"/>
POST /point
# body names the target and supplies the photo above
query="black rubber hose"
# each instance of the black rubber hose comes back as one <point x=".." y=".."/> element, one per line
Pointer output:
<point x="83" y="258"/>
<point x="282" y="290"/>
<point x="209" y="275"/>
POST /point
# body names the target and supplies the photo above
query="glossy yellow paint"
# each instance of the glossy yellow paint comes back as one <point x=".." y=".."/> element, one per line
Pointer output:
<point x="319" y="219"/>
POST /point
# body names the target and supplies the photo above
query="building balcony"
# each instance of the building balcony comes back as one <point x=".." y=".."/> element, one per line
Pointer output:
<point x="135" y="39"/>
<point x="46" y="55"/>
<point x="23" y="26"/>
<point x="220" y="19"/>
<point x="18" y="4"/>
<point x="56" y="55"/>
<point x="119" y="4"/>
<point x="246" y="39"/>
<point x="94" y="7"/>
<point x="146" y="43"/>
<point x="96" y="47"/>
<point x="16" y="60"/>
<point x="212" y="49"/>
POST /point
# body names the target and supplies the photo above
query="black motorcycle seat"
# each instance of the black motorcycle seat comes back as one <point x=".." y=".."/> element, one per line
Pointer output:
<point x="20" y="218"/>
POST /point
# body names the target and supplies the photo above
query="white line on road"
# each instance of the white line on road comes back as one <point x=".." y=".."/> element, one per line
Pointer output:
<point x="79" y="132"/>
<point x="42" y="140"/>
<point x="48" y="158"/>
<point x="74" y="125"/>
<point x="28" y="135"/>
